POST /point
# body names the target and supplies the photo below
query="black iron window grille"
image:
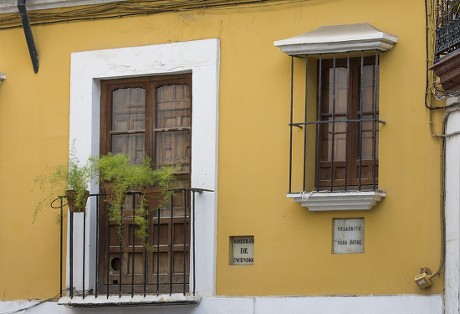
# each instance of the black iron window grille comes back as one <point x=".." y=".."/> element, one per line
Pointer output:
<point x="447" y="27"/>
<point x="164" y="263"/>
<point x="334" y="147"/>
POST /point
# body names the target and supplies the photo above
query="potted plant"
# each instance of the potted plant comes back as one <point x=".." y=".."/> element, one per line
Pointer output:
<point x="70" y="181"/>
<point x="118" y="177"/>
<point x="78" y="177"/>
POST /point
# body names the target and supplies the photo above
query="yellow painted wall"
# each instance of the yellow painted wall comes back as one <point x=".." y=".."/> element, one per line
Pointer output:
<point x="292" y="245"/>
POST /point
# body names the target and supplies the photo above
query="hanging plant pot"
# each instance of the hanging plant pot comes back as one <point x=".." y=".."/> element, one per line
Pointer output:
<point x="74" y="206"/>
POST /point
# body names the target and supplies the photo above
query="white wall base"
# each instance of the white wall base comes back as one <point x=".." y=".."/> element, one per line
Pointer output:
<point x="400" y="304"/>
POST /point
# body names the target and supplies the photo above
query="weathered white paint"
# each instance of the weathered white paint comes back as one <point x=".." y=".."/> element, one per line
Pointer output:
<point x="115" y="300"/>
<point x="452" y="205"/>
<point x="7" y="6"/>
<point x="337" y="38"/>
<point x="328" y="201"/>
<point x="201" y="58"/>
<point x="401" y="304"/>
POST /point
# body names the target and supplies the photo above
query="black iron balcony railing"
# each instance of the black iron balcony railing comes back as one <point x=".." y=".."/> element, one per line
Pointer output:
<point x="122" y="264"/>
<point x="447" y="27"/>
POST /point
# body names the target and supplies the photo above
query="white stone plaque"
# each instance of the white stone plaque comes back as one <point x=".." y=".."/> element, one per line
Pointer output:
<point x="348" y="236"/>
<point x="242" y="250"/>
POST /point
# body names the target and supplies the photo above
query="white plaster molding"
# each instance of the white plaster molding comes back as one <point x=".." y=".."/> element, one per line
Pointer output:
<point x="7" y="6"/>
<point x="2" y="77"/>
<point x="452" y="216"/>
<point x="327" y="201"/>
<point x="201" y="58"/>
<point x="337" y="38"/>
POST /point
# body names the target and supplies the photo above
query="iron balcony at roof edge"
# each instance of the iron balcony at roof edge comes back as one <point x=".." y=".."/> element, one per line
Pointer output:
<point x="447" y="28"/>
<point x="447" y="39"/>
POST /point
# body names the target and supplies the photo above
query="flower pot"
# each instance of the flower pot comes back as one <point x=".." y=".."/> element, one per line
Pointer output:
<point x="71" y="196"/>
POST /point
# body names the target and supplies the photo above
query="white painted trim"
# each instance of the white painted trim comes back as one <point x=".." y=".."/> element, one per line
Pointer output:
<point x="174" y="299"/>
<point x="201" y="58"/>
<point x="327" y="201"/>
<point x="452" y="217"/>
<point x="8" y="6"/>
<point x="2" y="77"/>
<point x="337" y="38"/>
<point x="398" y="304"/>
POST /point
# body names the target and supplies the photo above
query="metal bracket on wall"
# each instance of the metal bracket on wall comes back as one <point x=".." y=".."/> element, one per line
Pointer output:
<point x="28" y="33"/>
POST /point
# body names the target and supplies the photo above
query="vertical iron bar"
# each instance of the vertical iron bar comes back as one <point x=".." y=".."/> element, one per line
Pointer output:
<point x="145" y="273"/>
<point x="318" y="120"/>
<point x="158" y="252"/>
<point x="145" y="259"/>
<point x="290" y="124"/>
<point x="305" y="128"/>
<point x="193" y="241"/>
<point x="347" y="123"/>
<point x="333" y="122"/>
<point x="108" y="254"/>
<point x="361" y="100"/>
<point x="133" y="239"/>
<point x="60" y="246"/>
<point x="185" y="239"/>
<point x="375" y="123"/>
<point x="71" y="254"/>
<point x="121" y="235"/>
<point x="97" y="247"/>
<point x="84" y="252"/>
<point x="171" y="246"/>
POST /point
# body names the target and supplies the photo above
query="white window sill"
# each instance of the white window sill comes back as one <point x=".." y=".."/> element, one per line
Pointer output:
<point x="327" y="201"/>
<point x="102" y="300"/>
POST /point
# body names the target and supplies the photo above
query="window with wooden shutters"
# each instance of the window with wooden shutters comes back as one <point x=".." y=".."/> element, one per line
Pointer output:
<point x="334" y="124"/>
<point x="151" y="117"/>
<point x="339" y="133"/>
<point x="347" y="157"/>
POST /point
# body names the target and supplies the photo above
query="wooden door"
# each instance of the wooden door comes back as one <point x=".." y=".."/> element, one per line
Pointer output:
<point x="148" y="116"/>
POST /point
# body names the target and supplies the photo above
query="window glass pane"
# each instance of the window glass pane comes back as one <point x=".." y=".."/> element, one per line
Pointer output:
<point x="368" y="138"/>
<point x="130" y="144"/>
<point x="128" y="114"/>
<point x="173" y="149"/>
<point x="128" y="109"/>
<point x="173" y="122"/>
<point x="368" y="88"/>
<point x="341" y="92"/>
<point x="173" y="107"/>
<point x="340" y="141"/>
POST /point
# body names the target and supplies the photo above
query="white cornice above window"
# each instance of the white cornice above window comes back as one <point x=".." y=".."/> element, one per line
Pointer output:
<point x="337" y="38"/>
<point x="12" y="6"/>
<point x="332" y="201"/>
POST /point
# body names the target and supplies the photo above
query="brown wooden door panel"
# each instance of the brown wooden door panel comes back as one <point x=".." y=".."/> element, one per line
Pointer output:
<point x="352" y="174"/>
